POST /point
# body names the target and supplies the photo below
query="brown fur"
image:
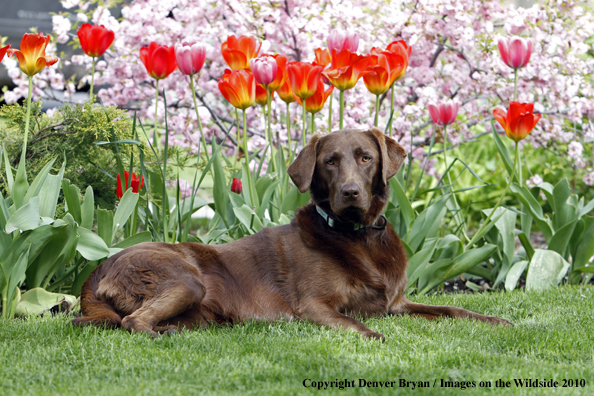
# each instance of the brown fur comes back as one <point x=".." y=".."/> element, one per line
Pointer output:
<point x="305" y="270"/>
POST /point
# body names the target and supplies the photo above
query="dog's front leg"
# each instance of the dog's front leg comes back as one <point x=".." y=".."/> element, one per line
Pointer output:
<point x="324" y="314"/>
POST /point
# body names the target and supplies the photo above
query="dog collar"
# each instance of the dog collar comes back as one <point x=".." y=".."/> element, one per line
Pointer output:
<point x="335" y="223"/>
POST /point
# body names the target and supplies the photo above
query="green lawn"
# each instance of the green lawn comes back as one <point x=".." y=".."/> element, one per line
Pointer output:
<point x="552" y="339"/>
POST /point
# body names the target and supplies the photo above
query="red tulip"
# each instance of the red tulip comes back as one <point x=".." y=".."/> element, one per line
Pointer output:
<point x="444" y="113"/>
<point x="31" y="56"/>
<point x="398" y="47"/>
<point x="343" y="40"/>
<point x="303" y="78"/>
<point x="159" y="60"/>
<point x="94" y="39"/>
<point x="236" y="186"/>
<point x="384" y="69"/>
<point x="3" y="51"/>
<point x="239" y="88"/>
<point x="281" y="75"/>
<point x="346" y="69"/>
<point x="264" y="69"/>
<point x="237" y="52"/>
<point x="190" y="57"/>
<point x="515" y="51"/>
<point x="136" y="184"/>
<point x="285" y="93"/>
<point x="315" y="103"/>
<point x="519" y="121"/>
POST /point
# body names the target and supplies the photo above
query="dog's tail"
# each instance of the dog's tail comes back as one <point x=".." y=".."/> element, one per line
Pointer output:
<point x="96" y="312"/>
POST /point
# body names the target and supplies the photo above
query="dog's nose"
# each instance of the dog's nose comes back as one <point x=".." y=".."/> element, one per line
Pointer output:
<point x="350" y="191"/>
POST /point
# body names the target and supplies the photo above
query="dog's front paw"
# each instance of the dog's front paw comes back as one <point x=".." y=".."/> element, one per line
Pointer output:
<point x="373" y="335"/>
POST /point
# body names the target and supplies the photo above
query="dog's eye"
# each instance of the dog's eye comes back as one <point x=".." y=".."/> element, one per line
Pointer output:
<point x="330" y="162"/>
<point x="366" y="158"/>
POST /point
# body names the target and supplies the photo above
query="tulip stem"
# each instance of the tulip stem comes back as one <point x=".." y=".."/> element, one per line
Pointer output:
<point x="269" y="132"/>
<point x="515" y="84"/>
<point x="304" y="122"/>
<point x="313" y="126"/>
<point x="477" y="235"/>
<point x="238" y="133"/>
<point x="247" y="161"/>
<point x="155" y="138"/>
<point x="288" y="128"/>
<point x="330" y="112"/>
<point x="392" y="111"/>
<point x="92" y="80"/>
<point x="198" y="117"/>
<point x="341" y="109"/>
<point x="27" y="119"/>
<point x="376" y="110"/>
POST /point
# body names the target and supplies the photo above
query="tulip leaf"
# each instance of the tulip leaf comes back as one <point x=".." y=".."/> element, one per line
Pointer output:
<point x="38" y="182"/>
<point x="25" y="218"/>
<point x="547" y="268"/>
<point x="514" y="274"/>
<point x="49" y="194"/>
<point x="125" y="209"/>
<point x="90" y="245"/>
<point x="36" y="301"/>
<point x="88" y="209"/>
<point x="72" y="198"/>
<point x="105" y="225"/>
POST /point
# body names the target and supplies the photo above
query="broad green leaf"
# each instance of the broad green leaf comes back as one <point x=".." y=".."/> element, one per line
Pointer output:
<point x="249" y="187"/>
<point x="586" y="209"/>
<point x="72" y="197"/>
<point x="418" y="261"/>
<point x="25" y="218"/>
<point x="105" y="225"/>
<point x="50" y="192"/>
<point x="125" y="209"/>
<point x="506" y="225"/>
<point x="427" y="275"/>
<point x="37" y="301"/>
<point x="426" y="224"/>
<point x="17" y="276"/>
<point x="135" y="239"/>
<point x="527" y="245"/>
<point x="248" y="218"/>
<point x="547" y="269"/>
<point x="266" y="198"/>
<point x="88" y="209"/>
<point x="403" y="202"/>
<point x="562" y="237"/>
<point x="38" y="182"/>
<point x="8" y="170"/>
<point x="514" y="274"/>
<point x="43" y="265"/>
<point x="526" y="197"/>
<point x="503" y="151"/>
<point x="90" y="245"/>
<point x="449" y="246"/>
<point x="220" y="188"/>
<point x="460" y="265"/>
<point x="186" y="210"/>
<point x="263" y="183"/>
<point x="585" y="249"/>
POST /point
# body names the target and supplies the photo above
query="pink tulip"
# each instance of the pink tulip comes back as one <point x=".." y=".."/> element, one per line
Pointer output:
<point x="444" y="113"/>
<point x="515" y="51"/>
<point x="264" y="69"/>
<point x="190" y="57"/>
<point x="338" y="41"/>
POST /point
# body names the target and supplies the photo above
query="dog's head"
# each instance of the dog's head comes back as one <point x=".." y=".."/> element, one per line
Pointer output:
<point x="347" y="172"/>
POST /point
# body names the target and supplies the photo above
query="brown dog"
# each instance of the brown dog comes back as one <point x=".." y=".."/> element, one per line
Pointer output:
<point x="338" y="260"/>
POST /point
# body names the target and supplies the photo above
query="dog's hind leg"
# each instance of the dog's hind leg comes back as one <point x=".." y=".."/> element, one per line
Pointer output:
<point x="435" y="311"/>
<point x="170" y="299"/>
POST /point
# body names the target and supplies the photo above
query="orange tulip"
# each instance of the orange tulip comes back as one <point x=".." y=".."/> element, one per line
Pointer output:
<point x="400" y="47"/>
<point x="323" y="57"/>
<point x="261" y="98"/>
<point x="239" y="88"/>
<point x="519" y="121"/>
<point x="346" y="69"/>
<point x="315" y="103"/>
<point x="303" y="78"/>
<point x="31" y="56"/>
<point x="285" y="93"/>
<point x="237" y="52"/>
<point x="384" y="69"/>
<point x="3" y="51"/>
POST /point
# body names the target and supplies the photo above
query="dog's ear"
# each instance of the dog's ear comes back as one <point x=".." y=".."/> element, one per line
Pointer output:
<point x="302" y="169"/>
<point x="392" y="154"/>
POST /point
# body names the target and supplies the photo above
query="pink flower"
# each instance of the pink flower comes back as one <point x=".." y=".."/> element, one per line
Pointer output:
<point x="338" y="41"/>
<point x="444" y="113"/>
<point x="264" y="69"/>
<point x="190" y="57"/>
<point x="515" y="51"/>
